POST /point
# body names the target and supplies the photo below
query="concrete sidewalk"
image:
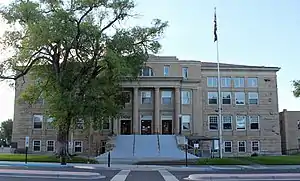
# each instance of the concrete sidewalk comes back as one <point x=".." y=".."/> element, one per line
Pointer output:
<point x="49" y="174"/>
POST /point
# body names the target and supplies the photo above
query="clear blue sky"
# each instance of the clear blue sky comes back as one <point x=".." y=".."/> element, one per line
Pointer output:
<point x="252" y="32"/>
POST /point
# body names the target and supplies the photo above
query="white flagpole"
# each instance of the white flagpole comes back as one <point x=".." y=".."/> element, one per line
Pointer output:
<point x="219" y="90"/>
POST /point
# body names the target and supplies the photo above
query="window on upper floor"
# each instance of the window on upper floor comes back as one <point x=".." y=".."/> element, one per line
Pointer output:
<point x="212" y="81"/>
<point x="226" y="97"/>
<point x="166" y="97"/>
<point x="146" y="97"/>
<point x="166" y="70"/>
<point x="252" y="82"/>
<point x="126" y="96"/>
<point x="213" y="122"/>
<point x="239" y="82"/>
<point x="253" y="97"/>
<point x="50" y="123"/>
<point x="186" y="97"/>
<point x="240" y="98"/>
<point x="212" y="98"/>
<point x="254" y="122"/>
<point x="225" y="82"/>
<point x="241" y="122"/>
<point x="227" y="122"/>
<point x="186" y="122"/>
<point x="79" y="123"/>
<point x="185" y="72"/>
<point x="146" y="72"/>
<point x="37" y="121"/>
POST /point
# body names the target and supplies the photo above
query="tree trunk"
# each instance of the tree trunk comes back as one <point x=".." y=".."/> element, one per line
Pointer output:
<point x="62" y="140"/>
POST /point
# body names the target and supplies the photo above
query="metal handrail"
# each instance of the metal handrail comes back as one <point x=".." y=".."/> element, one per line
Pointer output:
<point x="133" y="150"/>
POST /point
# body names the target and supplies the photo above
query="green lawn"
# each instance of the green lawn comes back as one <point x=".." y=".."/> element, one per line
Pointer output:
<point x="263" y="160"/>
<point x="42" y="158"/>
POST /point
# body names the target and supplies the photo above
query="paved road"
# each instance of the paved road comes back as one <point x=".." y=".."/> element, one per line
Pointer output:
<point x="160" y="175"/>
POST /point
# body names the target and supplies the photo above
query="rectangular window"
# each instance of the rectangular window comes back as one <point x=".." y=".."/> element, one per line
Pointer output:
<point x="240" y="122"/>
<point x="213" y="122"/>
<point x="186" y="122"/>
<point x="254" y="122"/>
<point x="126" y="95"/>
<point x="184" y="72"/>
<point x="166" y="97"/>
<point x="146" y="97"/>
<point x="226" y="97"/>
<point x="212" y="98"/>
<point x="37" y="121"/>
<point x="50" y="123"/>
<point x="252" y="82"/>
<point x="212" y="81"/>
<point x="253" y="97"/>
<point x="186" y="97"/>
<point x="166" y="70"/>
<point x="105" y="124"/>
<point x="225" y="82"/>
<point x="239" y="82"/>
<point x="80" y="124"/>
<point x="50" y="145"/>
<point x="227" y="146"/>
<point x="77" y="146"/>
<point x="242" y="146"/>
<point x="36" y="145"/>
<point x="240" y="98"/>
<point x="227" y="122"/>
<point x="255" y="146"/>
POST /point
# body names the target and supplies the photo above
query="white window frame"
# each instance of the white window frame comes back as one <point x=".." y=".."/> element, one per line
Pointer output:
<point x="41" y="119"/>
<point x="227" y="146"/>
<point x="258" y="146"/>
<point x="227" y="121"/>
<point x="245" y="122"/>
<point x="212" y="81"/>
<point x="40" y="145"/>
<point x="76" y="146"/>
<point x="185" y="72"/>
<point x="224" y="97"/>
<point x="239" y="82"/>
<point x="166" y="94"/>
<point x="251" y="121"/>
<point x="148" y="95"/>
<point x="253" y="95"/>
<point x="166" y="70"/>
<point x="215" y="95"/>
<point x="225" y="81"/>
<point x="238" y="98"/>
<point x="213" y="121"/>
<point x="151" y="73"/>
<point x="186" y="97"/>
<point x="47" y="145"/>
<point x="245" y="146"/>
<point x="252" y="82"/>
<point x="49" y="122"/>
<point x="186" y="120"/>
<point x="129" y="94"/>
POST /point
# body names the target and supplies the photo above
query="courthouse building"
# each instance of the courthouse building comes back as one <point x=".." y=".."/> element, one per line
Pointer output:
<point x="176" y="96"/>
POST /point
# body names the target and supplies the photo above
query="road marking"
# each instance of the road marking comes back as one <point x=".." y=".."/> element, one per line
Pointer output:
<point x="245" y="166"/>
<point x="167" y="175"/>
<point x="85" y="167"/>
<point x="223" y="168"/>
<point x="121" y="176"/>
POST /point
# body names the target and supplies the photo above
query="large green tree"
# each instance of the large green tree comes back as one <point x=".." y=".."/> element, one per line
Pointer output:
<point x="78" y="53"/>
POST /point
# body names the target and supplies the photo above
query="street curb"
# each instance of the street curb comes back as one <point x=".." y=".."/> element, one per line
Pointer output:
<point x="35" y="165"/>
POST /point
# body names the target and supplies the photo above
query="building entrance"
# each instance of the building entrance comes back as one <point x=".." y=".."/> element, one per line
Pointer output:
<point x="146" y="127"/>
<point x="126" y="127"/>
<point x="167" y="126"/>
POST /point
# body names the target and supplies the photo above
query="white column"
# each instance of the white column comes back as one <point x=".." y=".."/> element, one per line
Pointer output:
<point x="136" y="103"/>
<point x="157" y="125"/>
<point x="177" y="125"/>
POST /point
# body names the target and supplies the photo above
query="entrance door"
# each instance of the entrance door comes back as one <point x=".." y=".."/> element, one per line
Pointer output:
<point x="166" y="126"/>
<point x="126" y="127"/>
<point x="146" y="127"/>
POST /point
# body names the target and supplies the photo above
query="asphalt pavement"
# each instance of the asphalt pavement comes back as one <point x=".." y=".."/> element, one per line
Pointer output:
<point x="145" y="174"/>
